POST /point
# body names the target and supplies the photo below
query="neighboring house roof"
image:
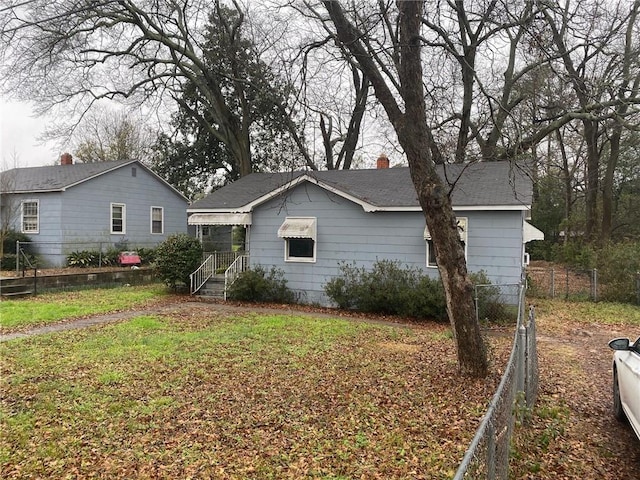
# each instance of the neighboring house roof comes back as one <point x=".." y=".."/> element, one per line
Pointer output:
<point x="58" y="178"/>
<point x="490" y="185"/>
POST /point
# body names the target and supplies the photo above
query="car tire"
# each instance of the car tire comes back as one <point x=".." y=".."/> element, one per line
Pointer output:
<point x="618" y="412"/>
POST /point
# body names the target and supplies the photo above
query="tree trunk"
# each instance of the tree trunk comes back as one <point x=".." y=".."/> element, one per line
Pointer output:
<point x="415" y="137"/>
<point x="592" y="183"/>
<point x="607" y="184"/>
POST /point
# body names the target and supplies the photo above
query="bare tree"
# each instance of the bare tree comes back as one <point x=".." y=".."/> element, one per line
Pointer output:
<point x="108" y="135"/>
<point x="401" y="93"/>
<point x="591" y="46"/>
<point x="9" y="206"/>
<point x="72" y="54"/>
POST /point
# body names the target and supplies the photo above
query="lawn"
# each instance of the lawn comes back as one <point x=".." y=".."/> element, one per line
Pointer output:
<point x="207" y="393"/>
<point x="238" y="396"/>
<point x="53" y="307"/>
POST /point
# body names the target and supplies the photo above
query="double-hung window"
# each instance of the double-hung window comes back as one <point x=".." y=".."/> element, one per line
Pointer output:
<point x="157" y="220"/>
<point x="431" y="253"/>
<point x="299" y="234"/>
<point x="30" y="216"/>
<point x="118" y="218"/>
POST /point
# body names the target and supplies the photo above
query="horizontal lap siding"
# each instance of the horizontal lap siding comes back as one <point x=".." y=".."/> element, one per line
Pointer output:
<point x="495" y="245"/>
<point x="47" y="242"/>
<point x="346" y="233"/>
<point x="87" y="208"/>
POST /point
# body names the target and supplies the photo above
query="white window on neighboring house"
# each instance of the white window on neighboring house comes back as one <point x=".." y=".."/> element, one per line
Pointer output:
<point x="118" y="218"/>
<point x="299" y="234"/>
<point x="157" y="220"/>
<point x="431" y="253"/>
<point x="31" y="216"/>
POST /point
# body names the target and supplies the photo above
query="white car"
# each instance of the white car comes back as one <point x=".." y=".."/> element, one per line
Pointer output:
<point x="626" y="381"/>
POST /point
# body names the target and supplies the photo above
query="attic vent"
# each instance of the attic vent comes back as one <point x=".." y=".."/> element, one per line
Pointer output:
<point x="134" y="171"/>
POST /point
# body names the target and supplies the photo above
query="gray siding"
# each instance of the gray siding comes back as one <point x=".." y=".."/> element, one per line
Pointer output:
<point x="46" y="243"/>
<point x="345" y="232"/>
<point x="80" y="217"/>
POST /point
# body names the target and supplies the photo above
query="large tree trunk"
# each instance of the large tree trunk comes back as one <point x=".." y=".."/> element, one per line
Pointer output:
<point x="442" y="224"/>
<point x="422" y="153"/>
<point x="434" y="199"/>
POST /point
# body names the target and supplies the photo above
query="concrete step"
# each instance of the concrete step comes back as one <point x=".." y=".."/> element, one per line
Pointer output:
<point x="16" y="290"/>
<point x="213" y="288"/>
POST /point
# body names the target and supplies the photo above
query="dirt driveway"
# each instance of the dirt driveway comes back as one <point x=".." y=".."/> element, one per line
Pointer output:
<point x="572" y="433"/>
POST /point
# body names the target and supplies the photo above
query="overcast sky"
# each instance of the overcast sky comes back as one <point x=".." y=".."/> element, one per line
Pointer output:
<point x="19" y="132"/>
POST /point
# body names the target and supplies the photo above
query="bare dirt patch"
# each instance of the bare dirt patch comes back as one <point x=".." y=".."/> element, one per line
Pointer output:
<point x="573" y="433"/>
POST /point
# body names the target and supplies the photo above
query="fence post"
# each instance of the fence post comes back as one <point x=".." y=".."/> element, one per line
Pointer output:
<point x="594" y="294"/>
<point x="566" y="284"/>
<point x="475" y="290"/>
<point x="17" y="257"/>
<point x="491" y="451"/>
<point x="522" y="353"/>
<point x="553" y="283"/>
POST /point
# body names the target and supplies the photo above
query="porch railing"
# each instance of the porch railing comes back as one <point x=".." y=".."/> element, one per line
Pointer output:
<point x="214" y="263"/>
<point x="239" y="265"/>
<point x="202" y="274"/>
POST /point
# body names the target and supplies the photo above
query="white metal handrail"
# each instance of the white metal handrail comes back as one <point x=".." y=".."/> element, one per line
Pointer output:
<point x="238" y="266"/>
<point x="202" y="274"/>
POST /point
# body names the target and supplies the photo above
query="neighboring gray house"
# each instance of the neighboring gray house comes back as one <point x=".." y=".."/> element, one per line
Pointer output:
<point x="307" y="223"/>
<point x="87" y="206"/>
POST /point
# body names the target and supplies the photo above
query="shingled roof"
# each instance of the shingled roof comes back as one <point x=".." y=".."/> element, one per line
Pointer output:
<point x="490" y="184"/>
<point x="58" y="178"/>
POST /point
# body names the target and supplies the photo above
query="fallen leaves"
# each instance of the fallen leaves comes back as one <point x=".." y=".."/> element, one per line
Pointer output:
<point x="200" y="395"/>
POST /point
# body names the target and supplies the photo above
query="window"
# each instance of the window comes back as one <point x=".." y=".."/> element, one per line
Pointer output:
<point x="118" y="218"/>
<point x="299" y="234"/>
<point x="431" y="254"/>
<point x="157" y="220"/>
<point x="30" y="216"/>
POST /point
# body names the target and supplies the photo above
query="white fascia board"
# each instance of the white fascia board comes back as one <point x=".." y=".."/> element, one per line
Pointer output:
<point x="219" y="210"/>
<point x="366" y="206"/>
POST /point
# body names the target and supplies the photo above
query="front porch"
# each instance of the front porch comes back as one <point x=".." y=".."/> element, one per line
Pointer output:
<point x="217" y="272"/>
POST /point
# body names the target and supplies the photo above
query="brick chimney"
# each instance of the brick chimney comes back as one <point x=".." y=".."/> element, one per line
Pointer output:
<point x="383" y="161"/>
<point x="66" y="159"/>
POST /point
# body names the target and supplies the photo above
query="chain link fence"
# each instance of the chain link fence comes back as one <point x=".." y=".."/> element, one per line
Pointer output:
<point x="581" y="284"/>
<point x="497" y="304"/>
<point x="56" y="254"/>
<point x="488" y="455"/>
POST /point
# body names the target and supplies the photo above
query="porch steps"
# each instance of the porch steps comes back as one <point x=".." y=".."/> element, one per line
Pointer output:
<point x="16" y="288"/>
<point x="214" y="288"/>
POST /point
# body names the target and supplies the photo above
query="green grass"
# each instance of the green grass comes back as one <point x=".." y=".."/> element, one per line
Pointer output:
<point x="590" y="312"/>
<point x="232" y="397"/>
<point x="53" y="307"/>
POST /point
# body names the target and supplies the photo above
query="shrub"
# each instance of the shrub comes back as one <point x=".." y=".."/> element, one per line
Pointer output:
<point x="9" y="239"/>
<point x="83" y="258"/>
<point x="574" y="254"/>
<point x="388" y="288"/>
<point x="147" y="255"/>
<point x="618" y="265"/>
<point x="176" y="258"/>
<point x="258" y="285"/>
<point x="487" y="298"/>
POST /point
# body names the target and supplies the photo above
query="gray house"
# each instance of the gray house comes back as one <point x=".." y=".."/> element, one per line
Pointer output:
<point x="89" y="206"/>
<point x="307" y="223"/>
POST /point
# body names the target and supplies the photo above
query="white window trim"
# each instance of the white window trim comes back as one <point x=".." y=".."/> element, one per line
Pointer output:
<point x="37" y="202"/>
<point x="463" y="222"/>
<point x="124" y="218"/>
<point x="287" y="258"/>
<point x="313" y="237"/>
<point x="161" y="232"/>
